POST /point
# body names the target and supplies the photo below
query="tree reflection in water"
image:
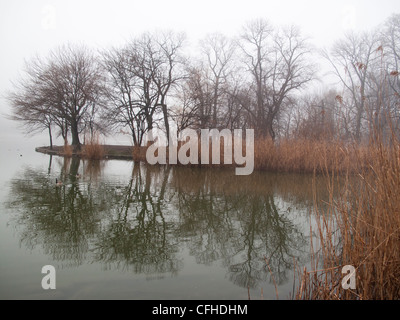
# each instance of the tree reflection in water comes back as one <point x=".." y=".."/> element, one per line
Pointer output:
<point x="143" y="225"/>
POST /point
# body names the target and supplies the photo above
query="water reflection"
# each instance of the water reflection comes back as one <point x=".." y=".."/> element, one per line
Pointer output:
<point x="144" y="222"/>
<point x="137" y="234"/>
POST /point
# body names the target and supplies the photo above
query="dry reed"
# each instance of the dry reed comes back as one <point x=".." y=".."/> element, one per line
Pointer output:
<point x="360" y="228"/>
<point x="93" y="149"/>
<point x="139" y="153"/>
<point x="291" y="155"/>
<point x="305" y="156"/>
<point x="360" y="223"/>
<point x="67" y="150"/>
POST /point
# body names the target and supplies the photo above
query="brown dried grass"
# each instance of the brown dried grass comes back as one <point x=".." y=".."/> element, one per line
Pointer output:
<point x="361" y="228"/>
<point x="93" y="149"/>
<point x="292" y="155"/>
<point x="67" y="150"/>
<point x="306" y="156"/>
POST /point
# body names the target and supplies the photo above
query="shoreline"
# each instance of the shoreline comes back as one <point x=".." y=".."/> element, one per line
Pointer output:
<point x="309" y="157"/>
<point x="111" y="152"/>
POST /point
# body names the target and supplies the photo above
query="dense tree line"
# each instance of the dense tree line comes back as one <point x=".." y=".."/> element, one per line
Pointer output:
<point x="256" y="80"/>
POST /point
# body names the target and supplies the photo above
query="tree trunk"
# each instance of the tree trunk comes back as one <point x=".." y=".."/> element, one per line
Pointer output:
<point x="51" y="138"/>
<point x="215" y="102"/>
<point x="150" y="131"/>
<point x="76" y="144"/>
<point x="134" y="139"/>
<point x="358" y="124"/>
<point x="166" y="121"/>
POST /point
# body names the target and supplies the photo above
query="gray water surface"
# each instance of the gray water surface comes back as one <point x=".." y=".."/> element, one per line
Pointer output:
<point x="124" y="230"/>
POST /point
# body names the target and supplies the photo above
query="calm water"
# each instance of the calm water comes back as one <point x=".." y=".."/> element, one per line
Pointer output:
<point x="129" y="231"/>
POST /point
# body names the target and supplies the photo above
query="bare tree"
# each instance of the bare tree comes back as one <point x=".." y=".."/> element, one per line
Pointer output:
<point x="78" y="83"/>
<point x="352" y="61"/>
<point x="141" y="78"/>
<point x="237" y="102"/>
<point x="194" y="99"/>
<point x="62" y="90"/>
<point x="278" y="66"/>
<point x="391" y="40"/>
<point x="391" y="54"/>
<point x="315" y="116"/>
<point x="218" y="51"/>
<point x="30" y="109"/>
<point x="29" y="100"/>
<point x="169" y="72"/>
<point x="124" y="109"/>
<point x="185" y="112"/>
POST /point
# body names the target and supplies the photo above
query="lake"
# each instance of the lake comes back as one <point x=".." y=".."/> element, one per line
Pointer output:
<point x="124" y="230"/>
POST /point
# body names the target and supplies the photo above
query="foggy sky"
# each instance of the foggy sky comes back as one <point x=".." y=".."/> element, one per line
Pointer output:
<point x="35" y="27"/>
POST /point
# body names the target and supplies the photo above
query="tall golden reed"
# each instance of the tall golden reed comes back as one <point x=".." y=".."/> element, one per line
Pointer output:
<point x="93" y="149"/>
<point x="303" y="156"/>
<point x="360" y="228"/>
<point x="289" y="155"/>
<point x="67" y="150"/>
